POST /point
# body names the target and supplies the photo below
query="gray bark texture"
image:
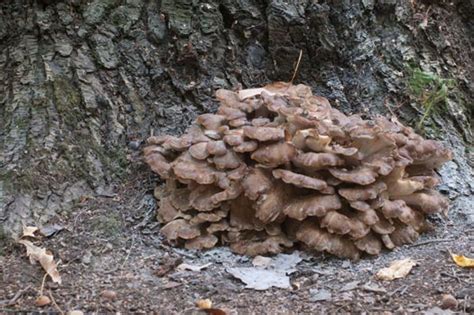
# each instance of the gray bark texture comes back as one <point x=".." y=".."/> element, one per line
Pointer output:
<point x="82" y="84"/>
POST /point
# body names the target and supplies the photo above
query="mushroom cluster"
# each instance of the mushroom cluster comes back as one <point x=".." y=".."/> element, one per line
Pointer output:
<point x="278" y="166"/>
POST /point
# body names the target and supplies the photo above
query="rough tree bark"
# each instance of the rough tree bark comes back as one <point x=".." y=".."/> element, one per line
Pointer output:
<point x="82" y="84"/>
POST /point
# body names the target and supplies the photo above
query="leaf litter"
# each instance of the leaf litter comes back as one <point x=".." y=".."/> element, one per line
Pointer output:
<point x="44" y="257"/>
<point x="267" y="272"/>
<point x="397" y="269"/>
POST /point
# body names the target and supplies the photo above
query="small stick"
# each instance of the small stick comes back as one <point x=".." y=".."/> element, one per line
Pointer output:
<point x="297" y="66"/>
<point x="42" y="283"/>
<point x="13" y="300"/>
<point x="442" y="240"/>
<point x="55" y="304"/>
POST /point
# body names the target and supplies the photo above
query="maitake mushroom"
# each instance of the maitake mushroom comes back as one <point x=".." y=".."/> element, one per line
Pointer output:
<point x="278" y="166"/>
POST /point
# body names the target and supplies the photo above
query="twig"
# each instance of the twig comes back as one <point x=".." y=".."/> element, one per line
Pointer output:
<point x="297" y="66"/>
<point x="55" y="304"/>
<point x="42" y="283"/>
<point x="13" y="300"/>
<point x="442" y="240"/>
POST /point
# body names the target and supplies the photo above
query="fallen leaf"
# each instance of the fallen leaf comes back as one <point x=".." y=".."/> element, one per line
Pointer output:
<point x="273" y="273"/>
<point x="184" y="266"/>
<point x="42" y="300"/>
<point x="204" y="303"/>
<point x="45" y="258"/>
<point x="350" y="286"/>
<point x="260" y="279"/>
<point x="397" y="269"/>
<point x="320" y="295"/>
<point x="29" y="231"/>
<point x="50" y="230"/>
<point x="75" y="313"/>
<point x="463" y="261"/>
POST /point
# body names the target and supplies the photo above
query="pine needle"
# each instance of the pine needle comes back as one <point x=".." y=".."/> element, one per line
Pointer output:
<point x="297" y="66"/>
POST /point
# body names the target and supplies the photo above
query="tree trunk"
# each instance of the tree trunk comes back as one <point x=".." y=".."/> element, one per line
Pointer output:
<point x="83" y="84"/>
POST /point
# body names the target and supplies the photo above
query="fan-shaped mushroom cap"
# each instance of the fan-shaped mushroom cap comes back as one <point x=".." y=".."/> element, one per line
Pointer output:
<point x="201" y="197"/>
<point x="299" y="180"/>
<point x="264" y="133"/>
<point x="404" y="234"/>
<point x="186" y="167"/>
<point x="336" y="222"/>
<point x="272" y="155"/>
<point x="216" y="147"/>
<point x="428" y="201"/>
<point x="315" y="237"/>
<point x="398" y="209"/>
<point x="270" y="205"/>
<point x="202" y="242"/>
<point x="199" y="151"/>
<point x="314" y="205"/>
<point x="383" y="226"/>
<point x="180" y="229"/>
<point x="220" y="226"/>
<point x="157" y="162"/>
<point x="316" y="161"/>
<point x="229" y="160"/>
<point x="364" y="192"/>
<point x="246" y="146"/>
<point x="360" y="175"/>
<point x="270" y="245"/>
<point x="210" y="121"/>
<point x="369" y="244"/>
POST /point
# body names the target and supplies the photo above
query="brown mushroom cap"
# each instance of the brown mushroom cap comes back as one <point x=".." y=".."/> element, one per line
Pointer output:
<point x="299" y="180"/>
<point x="314" y="205"/>
<point x="360" y="175"/>
<point x="202" y="242"/>
<point x="315" y="237"/>
<point x="273" y="155"/>
<point x="428" y="201"/>
<point x="264" y="133"/>
<point x="180" y="229"/>
<point x="316" y="161"/>
<point x="369" y="244"/>
<point x="364" y="192"/>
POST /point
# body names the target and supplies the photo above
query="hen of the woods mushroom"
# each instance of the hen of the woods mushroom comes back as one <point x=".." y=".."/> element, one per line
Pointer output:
<point x="277" y="166"/>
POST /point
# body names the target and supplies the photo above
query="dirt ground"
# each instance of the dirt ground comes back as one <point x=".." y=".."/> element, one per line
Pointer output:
<point x="112" y="243"/>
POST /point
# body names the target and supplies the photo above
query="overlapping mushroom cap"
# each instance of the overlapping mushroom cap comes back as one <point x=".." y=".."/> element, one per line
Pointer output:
<point x="277" y="166"/>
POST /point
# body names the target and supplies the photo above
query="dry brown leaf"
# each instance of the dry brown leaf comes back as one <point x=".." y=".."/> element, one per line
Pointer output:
<point x="397" y="269"/>
<point x="45" y="258"/>
<point x="463" y="261"/>
<point x="42" y="300"/>
<point x="29" y="231"/>
<point x="204" y="303"/>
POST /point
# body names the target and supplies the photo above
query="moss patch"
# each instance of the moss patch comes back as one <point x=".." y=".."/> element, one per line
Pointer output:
<point x="107" y="225"/>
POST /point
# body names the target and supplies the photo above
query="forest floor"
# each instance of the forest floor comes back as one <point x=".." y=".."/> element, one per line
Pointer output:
<point x="113" y="244"/>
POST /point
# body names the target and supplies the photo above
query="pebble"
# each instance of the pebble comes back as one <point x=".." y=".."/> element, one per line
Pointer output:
<point x="108" y="294"/>
<point x="448" y="302"/>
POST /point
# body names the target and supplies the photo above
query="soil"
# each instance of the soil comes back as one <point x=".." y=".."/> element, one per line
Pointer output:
<point x="124" y="253"/>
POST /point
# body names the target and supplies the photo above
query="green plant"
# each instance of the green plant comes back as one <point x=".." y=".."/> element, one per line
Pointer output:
<point x="431" y="90"/>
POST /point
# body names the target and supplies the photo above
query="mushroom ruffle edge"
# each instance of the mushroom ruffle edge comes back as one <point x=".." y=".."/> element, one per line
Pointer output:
<point x="278" y="167"/>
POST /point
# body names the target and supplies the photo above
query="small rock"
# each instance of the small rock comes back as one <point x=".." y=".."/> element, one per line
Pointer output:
<point x="319" y="295"/>
<point x="448" y="302"/>
<point x="204" y="303"/>
<point x="87" y="258"/>
<point x="42" y="300"/>
<point x="109" y="294"/>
